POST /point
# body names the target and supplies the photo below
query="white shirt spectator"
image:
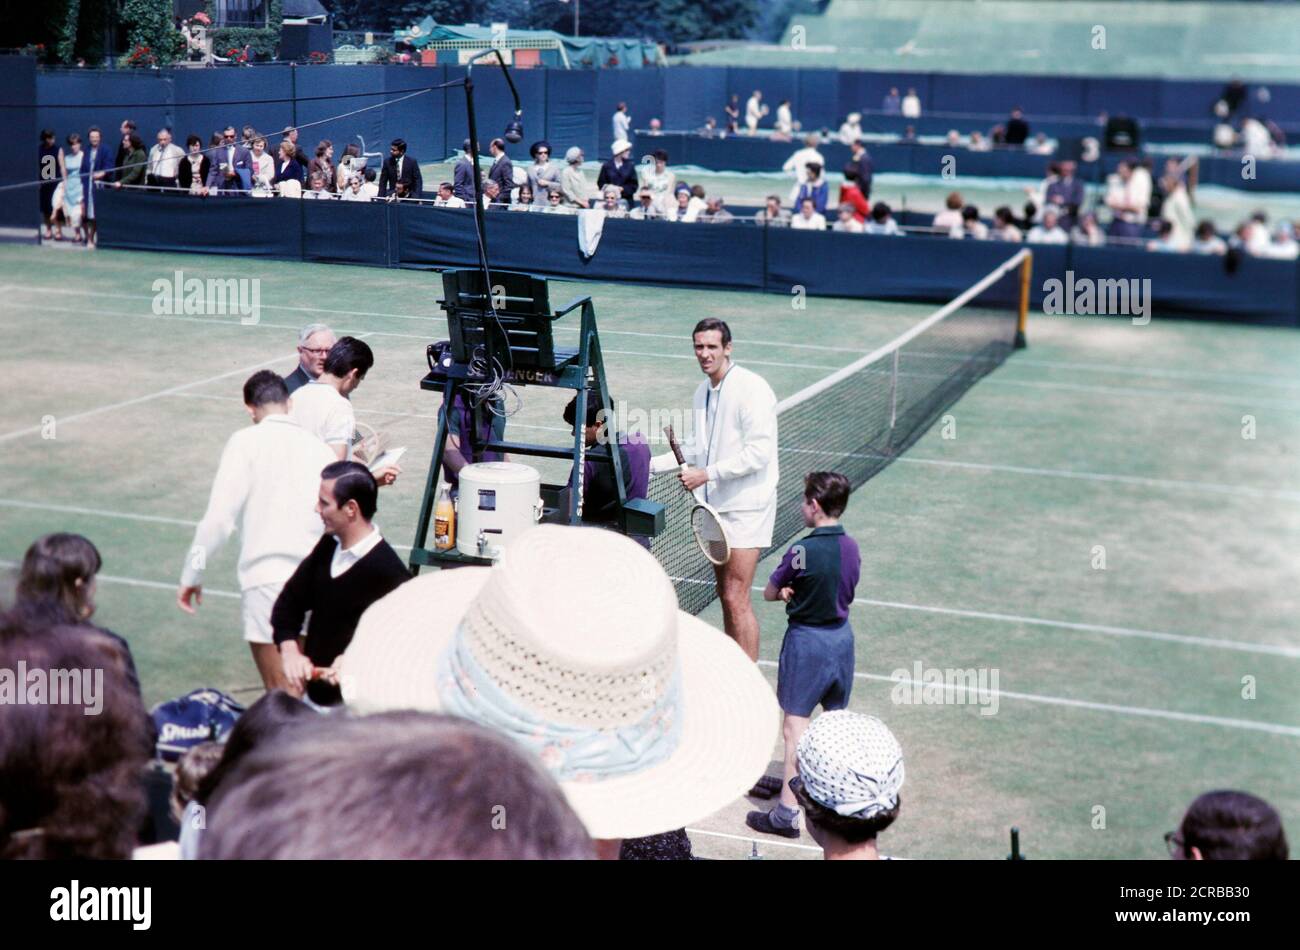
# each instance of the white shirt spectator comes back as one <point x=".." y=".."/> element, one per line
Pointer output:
<point x="888" y="226"/>
<point x="1255" y="139"/>
<point x="912" y="105"/>
<point x="798" y="163"/>
<point x="1008" y="232"/>
<point x="622" y="125"/>
<point x="320" y="410"/>
<point x="802" y="223"/>
<point x="370" y="189"/>
<point x="754" y="111"/>
<point x="947" y="219"/>
<point x="1211" y="245"/>
<point x="452" y="202"/>
<point x="784" y="119"/>
<point x="1040" y="234"/>
<point x="850" y="226"/>
<point x="359" y="195"/>
<point x="1134" y="195"/>
<point x="851" y="130"/>
<point x="266" y="485"/>
<point x="165" y="162"/>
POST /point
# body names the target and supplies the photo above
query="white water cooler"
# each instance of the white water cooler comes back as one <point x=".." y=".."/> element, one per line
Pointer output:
<point x="498" y="502"/>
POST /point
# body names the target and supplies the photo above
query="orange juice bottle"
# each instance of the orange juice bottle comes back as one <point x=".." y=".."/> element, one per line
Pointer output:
<point x="444" y="522"/>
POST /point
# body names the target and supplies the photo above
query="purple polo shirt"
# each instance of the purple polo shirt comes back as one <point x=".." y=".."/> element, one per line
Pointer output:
<point x="823" y="568"/>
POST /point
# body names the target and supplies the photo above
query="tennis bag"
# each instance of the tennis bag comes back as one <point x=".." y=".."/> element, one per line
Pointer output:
<point x="200" y="716"/>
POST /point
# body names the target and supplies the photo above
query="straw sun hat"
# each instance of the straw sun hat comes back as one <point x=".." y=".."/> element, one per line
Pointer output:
<point x="573" y="643"/>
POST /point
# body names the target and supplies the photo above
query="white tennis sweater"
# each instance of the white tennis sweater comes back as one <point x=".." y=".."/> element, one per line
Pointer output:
<point x="739" y="451"/>
<point x="266" y="485"/>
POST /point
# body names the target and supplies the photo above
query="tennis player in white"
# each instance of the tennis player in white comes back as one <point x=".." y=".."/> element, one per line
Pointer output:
<point x="731" y="459"/>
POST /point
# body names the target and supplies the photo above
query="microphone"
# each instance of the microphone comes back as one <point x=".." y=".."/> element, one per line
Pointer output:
<point x="515" y="130"/>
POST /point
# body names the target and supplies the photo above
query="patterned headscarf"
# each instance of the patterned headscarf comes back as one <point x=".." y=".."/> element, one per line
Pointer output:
<point x="851" y="764"/>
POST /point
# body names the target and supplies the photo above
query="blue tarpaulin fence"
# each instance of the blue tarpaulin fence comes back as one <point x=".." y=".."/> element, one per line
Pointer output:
<point x="574" y="108"/>
<point x="738" y="256"/>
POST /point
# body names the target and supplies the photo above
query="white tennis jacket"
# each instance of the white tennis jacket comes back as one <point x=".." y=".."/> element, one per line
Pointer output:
<point x="740" y="453"/>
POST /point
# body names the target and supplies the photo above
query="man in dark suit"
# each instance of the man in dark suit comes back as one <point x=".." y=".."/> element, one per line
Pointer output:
<point x="401" y="173"/>
<point x="1017" y="128"/>
<point x="463" y="175"/>
<point x="232" y="165"/>
<point x="502" y="171"/>
<point x="862" y="161"/>
<point x="127" y="128"/>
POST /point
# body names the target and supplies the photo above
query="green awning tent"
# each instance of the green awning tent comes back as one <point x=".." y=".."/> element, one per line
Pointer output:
<point x="582" y="52"/>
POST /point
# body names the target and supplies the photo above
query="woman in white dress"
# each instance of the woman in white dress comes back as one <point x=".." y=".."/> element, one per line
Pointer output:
<point x="263" y="170"/>
<point x="661" y="183"/>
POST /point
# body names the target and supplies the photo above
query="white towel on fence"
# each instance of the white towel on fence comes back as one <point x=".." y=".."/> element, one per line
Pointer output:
<point x="591" y="224"/>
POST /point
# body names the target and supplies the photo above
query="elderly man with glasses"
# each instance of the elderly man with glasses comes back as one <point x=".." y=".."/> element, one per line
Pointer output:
<point x="314" y="344"/>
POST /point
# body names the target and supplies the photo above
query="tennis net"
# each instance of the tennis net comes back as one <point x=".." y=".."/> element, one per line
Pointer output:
<point x="860" y="418"/>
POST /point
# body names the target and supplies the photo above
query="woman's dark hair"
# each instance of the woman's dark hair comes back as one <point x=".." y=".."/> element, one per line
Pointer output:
<point x="323" y="147"/>
<point x="47" y="135"/>
<point x="1003" y="215"/>
<point x="814" y="167"/>
<point x="71" y="784"/>
<point x="262" y="722"/>
<point x="879" y="212"/>
<point x="661" y="156"/>
<point x="193" y="139"/>
<point x="829" y="489"/>
<point x="1205" y="230"/>
<point x="73" y="138"/>
<point x="1233" y="826"/>
<point x="137" y="143"/>
<point x="54" y="580"/>
<point x="851" y="830"/>
<point x="970" y="213"/>
<point x="850" y="172"/>
<point x="713" y="323"/>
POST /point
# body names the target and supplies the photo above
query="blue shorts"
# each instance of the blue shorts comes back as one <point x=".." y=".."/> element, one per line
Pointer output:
<point x="816" y="668"/>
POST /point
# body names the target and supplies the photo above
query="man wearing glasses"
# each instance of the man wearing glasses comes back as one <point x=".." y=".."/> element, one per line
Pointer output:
<point x="232" y="165"/>
<point x="314" y="344"/>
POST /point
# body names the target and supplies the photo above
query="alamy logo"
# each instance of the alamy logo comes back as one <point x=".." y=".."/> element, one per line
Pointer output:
<point x="103" y="903"/>
<point x="211" y="296"/>
<point x="1084" y="296"/>
<point x="39" y="687"/>
<point x="936" y="687"/>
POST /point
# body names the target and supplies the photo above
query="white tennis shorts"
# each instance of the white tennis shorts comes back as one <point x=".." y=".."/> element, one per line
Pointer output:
<point x="256" y="603"/>
<point x="751" y="528"/>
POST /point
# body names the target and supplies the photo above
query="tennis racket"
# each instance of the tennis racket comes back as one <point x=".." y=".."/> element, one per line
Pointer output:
<point x="707" y="527"/>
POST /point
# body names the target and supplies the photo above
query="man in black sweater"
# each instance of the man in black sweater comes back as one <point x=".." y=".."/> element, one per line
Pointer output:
<point x="349" y="569"/>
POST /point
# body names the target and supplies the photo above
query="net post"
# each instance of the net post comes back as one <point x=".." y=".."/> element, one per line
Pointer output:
<point x="1026" y="273"/>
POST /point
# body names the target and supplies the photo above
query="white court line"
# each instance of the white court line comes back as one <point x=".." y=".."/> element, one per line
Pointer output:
<point x="94" y="512"/>
<point x="1256" y="725"/>
<point x="72" y="417"/>
<point x="1253" y="379"/>
<point x="763" y="841"/>
<point x="1198" y="718"/>
<point x="1105" y="629"/>
<point x="137" y="582"/>
<point x="991" y="380"/>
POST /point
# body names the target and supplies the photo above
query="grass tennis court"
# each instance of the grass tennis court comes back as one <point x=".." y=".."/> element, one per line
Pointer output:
<point x="1120" y="688"/>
